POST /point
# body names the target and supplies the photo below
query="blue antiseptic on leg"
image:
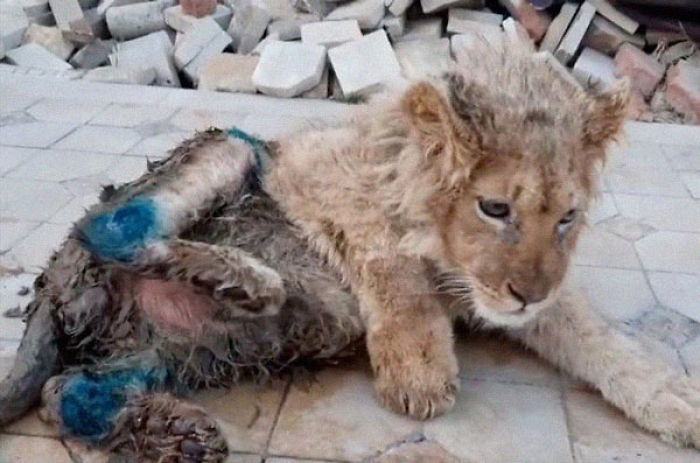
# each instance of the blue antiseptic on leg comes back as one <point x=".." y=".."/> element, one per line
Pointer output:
<point x="90" y="402"/>
<point x="119" y="234"/>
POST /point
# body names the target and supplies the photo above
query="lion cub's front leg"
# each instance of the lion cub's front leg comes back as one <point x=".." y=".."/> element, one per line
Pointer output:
<point x="409" y="338"/>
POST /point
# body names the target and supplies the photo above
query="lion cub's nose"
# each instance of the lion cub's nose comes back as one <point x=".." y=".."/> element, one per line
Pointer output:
<point x="527" y="296"/>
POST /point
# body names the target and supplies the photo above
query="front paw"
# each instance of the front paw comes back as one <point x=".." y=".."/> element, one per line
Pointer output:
<point x="674" y="412"/>
<point x="420" y="391"/>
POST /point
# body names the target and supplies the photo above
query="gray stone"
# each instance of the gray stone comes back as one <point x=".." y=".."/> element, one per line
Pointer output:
<point x="122" y="75"/>
<point x="92" y="55"/>
<point x="228" y="72"/>
<point x="423" y="29"/>
<point x="397" y="7"/>
<point x="430" y="6"/>
<point x="71" y="20"/>
<point x="247" y="27"/>
<point x="459" y="23"/>
<point x="2" y="48"/>
<point x="33" y="55"/>
<point x="558" y="27"/>
<point x="423" y="58"/>
<point x="604" y="36"/>
<point x="131" y="21"/>
<point x="574" y="35"/>
<point x="365" y="65"/>
<point x="179" y="21"/>
<point x="34" y="8"/>
<point x="456" y="16"/>
<point x="330" y="33"/>
<point x="369" y="13"/>
<point x="13" y="24"/>
<point x="290" y="28"/>
<point x="604" y="8"/>
<point x="97" y="23"/>
<point x="43" y="19"/>
<point x="49" y="38"/>
<point x="395" y="26"/>
<point x="202" y="41"/>
<point x="594" y="68"/>
<point x="155" y="49"/>
<point x="287" y="69"/>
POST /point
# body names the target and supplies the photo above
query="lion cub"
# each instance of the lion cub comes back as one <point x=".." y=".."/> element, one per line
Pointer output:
<point x="465" y="196"/>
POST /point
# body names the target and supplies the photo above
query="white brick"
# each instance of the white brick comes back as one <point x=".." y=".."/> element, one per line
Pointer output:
<point x="287" y="69"/>
<point x="593" y="67"/>
<point x="604" y="8"/>
<point x="122" y="75"/>
<point x="229" y="72"/>
<point x="398" y="7"/>
<point x="574" y="35"/>
<point x="558" y="27"/>
<point x="365" y="65"/>
<point x="330" y="33"/>
<point x="493" y="36"/>
<point x="35" y="8"/>
<point x="604" y="36"/>
<point x="13" y="23"/>
<point x="369" y="13"/>
<point x="179" y="21"/>
<point x="430" y="6"/>
<point x="247" y="27"/>
<point x="216" y="46"/>
<point x="516" y="33"/>
<point x="395" y="26"/>
<point x="429" y="28"/>
<point x="423" y="58"/>
<point x="457" y="25"/>
<point x="70" y="19"/>
<point x="290" y="28"/>
<point x="154" y="50"/>
<point x="195" y="40"/>
<point x="49" y="38"/>
<point x="458" y="15"/>
<point x="33" y="55"/>
<point x="92" y="55"/>
<point x="131" y="21"/>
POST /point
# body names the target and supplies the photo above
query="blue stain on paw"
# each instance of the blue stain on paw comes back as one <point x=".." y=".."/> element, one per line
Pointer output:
<point x="121" y="233"/>
<point x="91" y="402"/>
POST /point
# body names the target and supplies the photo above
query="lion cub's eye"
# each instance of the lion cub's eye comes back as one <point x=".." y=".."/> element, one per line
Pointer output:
<point x="494" y="209"/>
<point x="568" y="217"/>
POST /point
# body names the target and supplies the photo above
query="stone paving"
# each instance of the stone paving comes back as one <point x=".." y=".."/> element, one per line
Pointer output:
<point x="640" y="264"/>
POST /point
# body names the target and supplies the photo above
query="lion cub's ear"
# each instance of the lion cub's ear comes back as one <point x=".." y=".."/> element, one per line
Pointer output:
<point x="436" y="126"/>
<point x="605" y="115"/>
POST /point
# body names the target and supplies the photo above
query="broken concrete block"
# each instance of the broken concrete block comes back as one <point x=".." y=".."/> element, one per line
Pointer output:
<point x="683" y="90"/>
<point x="574" y="35"/>
<point x="493" y="36"/>
<point x="71" y="21"/>
<point x="105" y="5"/>
<point x="228" y="72"/>
<point x="122" y="75"/>
<point x="677" y="51"/>
<point x="430" y="6"/>
<point x="624" y="22"/>
<point x="287" y="69"/>
<point x="423" y="58"/>
<point x="644" y="72"/>
<point x="558" y="27"/>
<point x="203" y="40"/>
<point x="247" y="27"/>
<point x="13" y="24"/>
<point x="515" y="33"/>
<point x="655" y="36"/>
<point x="179" y="21"/>
<point x="131" y="21"/>
<point x="216" y="46"/>
<point x="365" y="65"/>
<point x="320" y="91"/>
<point x="535" y="22"/>
<point x="34" y="8"/>
<point x="397" y="7"/>
<point x="33" y="55"/>
<point x="330" y="33"/>
<point x="92" y="55"/>
<point x="457" y="16"/>
<point x="257" y="51"/>
<point x="557" y="67"/>
<point x="49" y="38"/>
<point x="423" y="29"/>
<point x="154" y="49"/>
<point x="395" y="26"/>
<point x="368" y="13"/>
<point x="2" y="49"/>
<point x="276" y="9"/>
<point x="43" y="19"/>
<point x="606" y="37"/>
<point x="290" y="28"/>
<point x="97" y="23"/>
<point x="593" y="68"/>
<point x="459" y="24"/>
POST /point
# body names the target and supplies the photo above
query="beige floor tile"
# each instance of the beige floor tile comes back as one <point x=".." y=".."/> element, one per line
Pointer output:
<point x="202" y="119"/>
<point x="602" y="209"/>
<point x="59" y="166"/>
<point x="13" y="156"/>
<point x="603" y="434"/>
<point x="34" y="134"/>
<point x="337" y="418"/>
<point x="111" y="140"/>
<point x="504" y="423"/>
<point x="12" y="231"/>
<point x="31" y="201"/>
<point x="75" y="209"/>
<point x="601" y="248"/>
<point x="691" y="357"/>
<point x="157" y="146"/>
<point x="245" y="413"/>
<point x="31" y="425"/>
<point x="270" y="127"/>
<point x="682" y="157"/>
<point x="26" y="449"/>
<point x="65" y="110"/>
<point x="129" y="115"/>
<point x="126" y="169"/>
<point x="33" y="252"/>
<point x="691" y="180"/>
<point x="678" y="292"/>
<point x="494" y="358"/>
<point x="618" y="294"/>
<point x="670" y="251"/>
<point x="662" y="213"/>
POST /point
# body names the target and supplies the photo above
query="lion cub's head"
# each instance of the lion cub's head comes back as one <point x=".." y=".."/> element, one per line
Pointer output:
<point x="516" y="151"/>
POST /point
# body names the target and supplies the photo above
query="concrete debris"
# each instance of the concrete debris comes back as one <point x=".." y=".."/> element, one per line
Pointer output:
<point x="368" y="13"/>
<point x="535" y="22"/>
<point x="606" y="37"/>
<point x="594" y="69"/>
<point x="248" y="26"/>
<point x="97" y="23"/>
<point x="131" y="21"/>
<point x="457" y="16"/>
<point x="683" y="90"/>
<point x="71" y="20"/>
<point x="290" y="28"/>
<point x="320" y="91"/>
<point x="199" y="8"/>
<point x="644" y="72"/>
<point x="423" y="58"/>
<point x="229" y="72"/>
<point x="202" y="41"/>
<point x="257" y="51"/>
<point x="330" y="33"/>
<point x="154" y="49"/>
<point x="423" y="29"/>
<point x="366" y="65"/>
<point x="122" y="75"/>
<point x="179" y="21"/>
<point x="92" y="55"/>
<point x="34" y="8"/>
<point x="33" y="55"/>
<point x="624" y="22"/>
<point x="49" y="38"/>
<point x="558" y="27"/>
<point x="13" y="24"/>
<point x="395" y="26"/>
<point x="574" y="35"/>
<point x="397" y="7"/>
<point x="677" y="51"/>
<point x="287" y="69"/>
<point x="431" y="6"/>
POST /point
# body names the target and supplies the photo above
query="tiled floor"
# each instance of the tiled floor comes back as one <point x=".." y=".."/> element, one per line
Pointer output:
<point x="640" y="264"/>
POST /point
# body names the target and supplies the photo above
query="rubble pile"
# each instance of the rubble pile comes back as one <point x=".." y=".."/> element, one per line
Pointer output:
<point x="344" y="49"/>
